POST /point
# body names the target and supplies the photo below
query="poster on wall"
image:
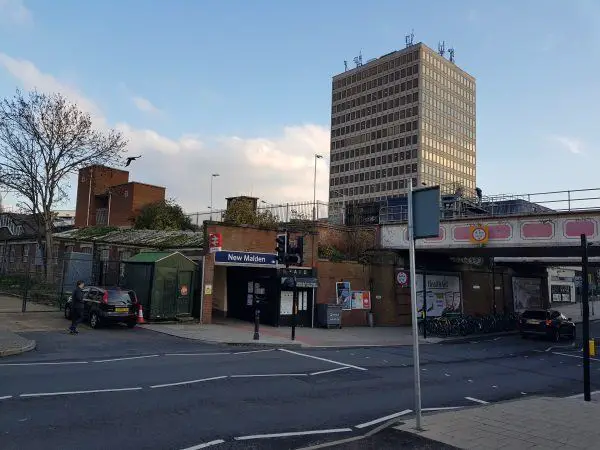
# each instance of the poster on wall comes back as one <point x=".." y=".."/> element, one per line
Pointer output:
<point x="361" y="300"/>
<point x="343" y="294"/>
<point x="443" y="294"/>
<point x="527" y="293"/>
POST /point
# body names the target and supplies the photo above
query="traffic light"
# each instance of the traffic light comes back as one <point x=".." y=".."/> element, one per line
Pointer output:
<point x="282" y="247"/>
<point x="295" y="254"/>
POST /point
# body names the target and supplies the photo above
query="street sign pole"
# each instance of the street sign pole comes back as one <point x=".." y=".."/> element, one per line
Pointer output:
<point x="586" y="319"/>
<point x="413" y="301"/>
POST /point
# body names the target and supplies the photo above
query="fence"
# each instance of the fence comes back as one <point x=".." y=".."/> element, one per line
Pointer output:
<point x="285" y="212"/>
<point x="27" y="285"/>
<point x="456" y="207"/>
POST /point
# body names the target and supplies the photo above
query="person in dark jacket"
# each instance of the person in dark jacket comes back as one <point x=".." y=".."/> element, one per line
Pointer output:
<point x="76" y="307"/>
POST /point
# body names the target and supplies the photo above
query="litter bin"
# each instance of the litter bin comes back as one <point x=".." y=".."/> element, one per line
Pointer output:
<point x="329" y="316"/>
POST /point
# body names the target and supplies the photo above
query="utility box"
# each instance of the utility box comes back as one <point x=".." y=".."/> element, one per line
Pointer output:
<point x="329" y="315"/>
<point x="163" y="282"/>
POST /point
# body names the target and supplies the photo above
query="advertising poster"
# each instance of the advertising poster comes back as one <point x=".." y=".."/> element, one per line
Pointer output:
<point x="443" y="295"/>
<point x="527" y="293"/>
<point x="361" y="300"/>
<point x="343" y="294"/>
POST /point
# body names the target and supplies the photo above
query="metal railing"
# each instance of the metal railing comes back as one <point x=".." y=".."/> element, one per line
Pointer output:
<point x="284" y="212"/>
<point x="505" y="205"/>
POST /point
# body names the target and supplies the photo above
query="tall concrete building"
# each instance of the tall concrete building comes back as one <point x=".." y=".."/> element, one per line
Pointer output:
<point x="408" y="115"/>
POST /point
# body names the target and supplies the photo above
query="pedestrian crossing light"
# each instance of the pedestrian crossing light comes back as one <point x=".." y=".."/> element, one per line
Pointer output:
<point x="281" y="247"/>
<point x="295" y="253"/>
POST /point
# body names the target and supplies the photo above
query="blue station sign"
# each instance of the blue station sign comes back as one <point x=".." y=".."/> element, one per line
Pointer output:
<point x="246" y="259"/>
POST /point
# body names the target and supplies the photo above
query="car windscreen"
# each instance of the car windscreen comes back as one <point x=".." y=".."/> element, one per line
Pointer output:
<point x="539" y="315"/>
<point x="125" y="297"/>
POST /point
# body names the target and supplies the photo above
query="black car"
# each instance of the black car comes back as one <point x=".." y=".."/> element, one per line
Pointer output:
<point x="107" y="305"/>
<point x="547" y="323"/>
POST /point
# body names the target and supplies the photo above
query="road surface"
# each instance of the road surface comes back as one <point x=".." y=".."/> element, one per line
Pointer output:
<point x="117" y="388"/>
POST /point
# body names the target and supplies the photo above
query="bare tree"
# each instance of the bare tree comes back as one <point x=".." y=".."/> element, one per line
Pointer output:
<point x="44" y="138"/>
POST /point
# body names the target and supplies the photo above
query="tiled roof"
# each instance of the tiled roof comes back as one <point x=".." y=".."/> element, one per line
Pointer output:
<point x="158" y="239"/>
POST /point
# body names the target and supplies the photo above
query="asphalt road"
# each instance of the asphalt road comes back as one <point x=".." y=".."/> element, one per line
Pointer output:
<point x="113" y="388"/>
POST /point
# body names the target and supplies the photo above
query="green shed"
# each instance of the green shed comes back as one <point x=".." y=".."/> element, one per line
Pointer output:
<point x="163" y="282"/>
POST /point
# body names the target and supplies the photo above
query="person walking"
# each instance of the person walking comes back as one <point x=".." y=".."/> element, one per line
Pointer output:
<point x="76" y="307"/>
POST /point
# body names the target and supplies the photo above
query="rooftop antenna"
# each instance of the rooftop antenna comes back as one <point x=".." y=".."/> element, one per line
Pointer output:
<point x="358" y="59"/>
<point x="345" y="66"/>
<point x="409" y="38"/>
<point x="442" y="48"/>
<point x="451" y="52"/>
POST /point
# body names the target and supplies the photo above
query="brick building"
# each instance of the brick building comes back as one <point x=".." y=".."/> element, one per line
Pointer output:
<point x="106" y="197"/>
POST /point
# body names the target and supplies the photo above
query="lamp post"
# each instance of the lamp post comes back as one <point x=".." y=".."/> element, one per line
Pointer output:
<point x="317" y="156"/>
<point x="212" y="177"/>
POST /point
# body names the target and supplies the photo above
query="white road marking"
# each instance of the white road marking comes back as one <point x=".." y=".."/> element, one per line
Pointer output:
<point x="254" y="351"/>
<point x="574" y="356"/>
<point x="205" y="445"/>
<point x="330" y="370"/>
<point x="476" y="400"/>
<point x="181" y="383"/>
<point x="494" y="386"/>
<point x="59" y="363"/>
<point x="497" y="338"/>
<point x="94" y="391"/>
<point x="197" y="354"/>
<point x="321" y="359"/>
<point x="125" y="358"/>
<point x="6" y="397"/>
<point x="383" y="419"/>
<point x="271" y="375"/>
<point x="523" y="393"/>
<point x="447" y="374"/>
<point x="469" y="381"/>
<point x="442" y="408"/>
<point x="292" y="433"/>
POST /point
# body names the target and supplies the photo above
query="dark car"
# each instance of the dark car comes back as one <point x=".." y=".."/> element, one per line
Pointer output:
<point x="107" y="305"/>
<point x="547" y="323"/>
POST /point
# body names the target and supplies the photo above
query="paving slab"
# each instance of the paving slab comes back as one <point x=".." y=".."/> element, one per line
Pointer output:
<point x="13" y="344"/>
<point x="537" y="422"/>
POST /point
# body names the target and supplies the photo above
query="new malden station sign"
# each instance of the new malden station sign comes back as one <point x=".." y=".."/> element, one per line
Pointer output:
<point x="245" y="259"/>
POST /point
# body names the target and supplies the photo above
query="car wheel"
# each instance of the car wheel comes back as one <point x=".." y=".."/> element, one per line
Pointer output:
<point x="94" y="320"/>
<point x="131" y="324"/>
<point x="67" y="312"/>
<point x="556" y="336"/>
<point x="574" y="334"/>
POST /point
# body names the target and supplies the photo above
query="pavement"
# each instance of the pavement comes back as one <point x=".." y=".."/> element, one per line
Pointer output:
<point x="544" y="423"/>
<point x="13" y="344"/>
<point x="233" y="332"/>
<point x="154" y="391"/>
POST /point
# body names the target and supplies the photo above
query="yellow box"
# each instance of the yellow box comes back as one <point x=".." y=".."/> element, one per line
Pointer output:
<point x="592" y="347"/>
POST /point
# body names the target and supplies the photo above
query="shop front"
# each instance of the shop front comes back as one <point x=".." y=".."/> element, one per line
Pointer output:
<point x="306" y="283"/>
<point x="243" y="281"/>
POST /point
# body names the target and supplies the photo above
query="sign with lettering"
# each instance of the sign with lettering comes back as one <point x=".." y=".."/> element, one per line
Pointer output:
<point x="215" y="242"/>
<point x="246" y="259"/>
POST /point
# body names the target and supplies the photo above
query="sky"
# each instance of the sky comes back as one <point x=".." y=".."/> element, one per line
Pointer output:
<point x="243" y="89"/>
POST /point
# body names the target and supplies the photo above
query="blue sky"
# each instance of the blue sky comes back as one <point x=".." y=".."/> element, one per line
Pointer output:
<point x="243" y="88"/>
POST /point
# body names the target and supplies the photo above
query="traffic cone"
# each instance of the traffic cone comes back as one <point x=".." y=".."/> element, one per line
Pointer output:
<point x="140" y="316"/>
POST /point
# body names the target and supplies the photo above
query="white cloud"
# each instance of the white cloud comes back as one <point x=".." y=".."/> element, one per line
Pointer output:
<point x="145" y="105"/>
<point x="15" y="11"/>
<point x="277" y="169"/>
<point x="570" y="144"/>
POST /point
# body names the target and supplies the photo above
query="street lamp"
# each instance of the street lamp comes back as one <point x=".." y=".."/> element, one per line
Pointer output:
<point x="317" y="156"/>
<point x="212" y="177"/>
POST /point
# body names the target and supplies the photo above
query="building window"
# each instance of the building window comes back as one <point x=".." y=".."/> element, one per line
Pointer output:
<point x="104" y="254"/>
<point x="25" y="252"/>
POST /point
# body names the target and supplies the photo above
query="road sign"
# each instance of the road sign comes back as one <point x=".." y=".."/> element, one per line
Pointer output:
<point x="479" y="234"/>
<point x="402" y="278"/>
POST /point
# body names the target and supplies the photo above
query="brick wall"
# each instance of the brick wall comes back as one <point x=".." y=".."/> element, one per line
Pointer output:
<point x="332" y="272"/>
<point x="100" y="178"/>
